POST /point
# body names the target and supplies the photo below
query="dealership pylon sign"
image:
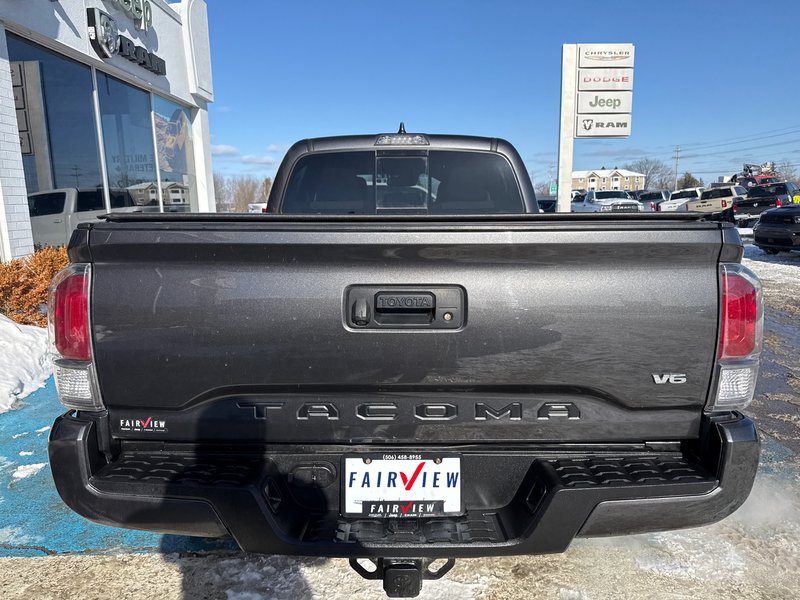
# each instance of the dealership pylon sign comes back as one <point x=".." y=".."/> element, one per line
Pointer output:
<point x="604" y="91"/>
<point x="596" y="101"/>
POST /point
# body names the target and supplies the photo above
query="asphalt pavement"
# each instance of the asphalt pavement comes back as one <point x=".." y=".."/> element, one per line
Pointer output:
<point x="46" y="551"/>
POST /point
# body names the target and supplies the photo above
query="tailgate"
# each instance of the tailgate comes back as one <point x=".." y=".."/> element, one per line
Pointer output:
<point x="241" y="331"/>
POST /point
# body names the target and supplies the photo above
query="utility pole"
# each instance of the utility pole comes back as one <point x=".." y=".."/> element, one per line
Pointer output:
<point x="677" y="160"/>
<point x="76" y="173"/>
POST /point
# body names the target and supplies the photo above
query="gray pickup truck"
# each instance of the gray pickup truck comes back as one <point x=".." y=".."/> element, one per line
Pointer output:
<point x="405" y="361"/>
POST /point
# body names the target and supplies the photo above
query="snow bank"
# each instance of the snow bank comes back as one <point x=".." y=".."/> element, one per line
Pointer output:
<point x="24" y="364"/>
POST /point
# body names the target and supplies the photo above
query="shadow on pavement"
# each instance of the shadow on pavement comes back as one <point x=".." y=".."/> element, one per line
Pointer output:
<point x="216" y="569"/>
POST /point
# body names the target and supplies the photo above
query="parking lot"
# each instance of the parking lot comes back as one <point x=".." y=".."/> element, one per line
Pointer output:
<point x="48" y="552"/>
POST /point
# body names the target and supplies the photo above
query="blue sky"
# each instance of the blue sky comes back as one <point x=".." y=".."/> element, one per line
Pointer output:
<point x="720" y="79"/>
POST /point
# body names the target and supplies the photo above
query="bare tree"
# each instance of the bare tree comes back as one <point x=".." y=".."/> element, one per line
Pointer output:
<point x="657" y="173"/>
<point x="245" y="190"/>
<point x="542" y="188"/>
<point x="266" y="188"/>
<point x="786" y="171"/>
<point x="222" y="193"/>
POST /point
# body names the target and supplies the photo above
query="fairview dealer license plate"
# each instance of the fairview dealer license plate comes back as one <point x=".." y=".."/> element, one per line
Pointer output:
<point x="401" y="485"/>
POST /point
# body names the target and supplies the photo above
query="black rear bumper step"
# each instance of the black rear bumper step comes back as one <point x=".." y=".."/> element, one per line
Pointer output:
<point x="288" y="502"/>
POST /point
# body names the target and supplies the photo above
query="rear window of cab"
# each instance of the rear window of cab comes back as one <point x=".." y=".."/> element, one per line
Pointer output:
<point x="402" y="182"/>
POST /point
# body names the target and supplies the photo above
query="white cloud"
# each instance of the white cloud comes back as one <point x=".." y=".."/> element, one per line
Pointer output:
<point x="224" y="150"/>
<point x="222" y="109"/>
<point x="277" y="148"/>
<point x="259" y="160"/>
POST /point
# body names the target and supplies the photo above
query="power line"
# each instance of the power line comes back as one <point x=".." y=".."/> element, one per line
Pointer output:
<point x="722" y="169"/>
<point x="745" y="140"/>
<point x="746" y="137"/>
<point x="734" y="150"/>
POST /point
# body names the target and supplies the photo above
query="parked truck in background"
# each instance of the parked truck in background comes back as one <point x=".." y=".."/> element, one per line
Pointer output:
<point x="718" y="202"/>
<point x="763" y="197"/>
<point x="678" y="199"/>
<point x="594" y="201"/>
<point x="405" y="361"/>
<point x="55" y="214"/>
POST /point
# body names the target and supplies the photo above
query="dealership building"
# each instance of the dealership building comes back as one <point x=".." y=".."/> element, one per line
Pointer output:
<point x="103" y="106"/>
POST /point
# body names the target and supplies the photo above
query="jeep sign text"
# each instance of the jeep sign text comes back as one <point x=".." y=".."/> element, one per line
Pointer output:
<point x="604" y="102"/>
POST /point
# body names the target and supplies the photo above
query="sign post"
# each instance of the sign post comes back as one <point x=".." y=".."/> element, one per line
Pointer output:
<point x="596" y="101"/>
<point x="569" y="73"/>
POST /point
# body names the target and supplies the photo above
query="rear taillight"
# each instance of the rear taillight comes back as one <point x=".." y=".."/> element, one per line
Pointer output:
<point x="737" y="337"/>
<point x="653" y="206"/>
<point x="740" y="337"/>
<point x="724" y="204"/>
<point x="778" y="202"/>
<point x="71" y="318"/>
<point x="263" y="209"/>
<point x="69" y="330"/>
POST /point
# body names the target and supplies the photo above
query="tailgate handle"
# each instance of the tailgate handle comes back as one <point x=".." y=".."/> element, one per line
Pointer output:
<point x="371" y="307"/>
<point x="404" y="308"/>
<point x="403" y="303"/>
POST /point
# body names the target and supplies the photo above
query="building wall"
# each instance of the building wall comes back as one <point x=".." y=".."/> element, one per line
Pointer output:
<point x="178" y="35"/>
<point x="62" y="25"/>
<point x="16" y="239"/>
<point x="625" y="183"/>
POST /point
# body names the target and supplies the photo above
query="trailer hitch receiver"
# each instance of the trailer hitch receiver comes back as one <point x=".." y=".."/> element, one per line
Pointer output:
<point x="402" y="577"/>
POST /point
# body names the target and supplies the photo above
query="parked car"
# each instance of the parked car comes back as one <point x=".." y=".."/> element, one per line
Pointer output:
<point x="763" y="197"/>
<point x="678" y="199"/>
<point x="651" y="199"/>
<point x="718" y="202"/>
<point x="257" y="207"/>
<point x="605" y="201"/>
<point x="55" y="214"/>
<point x="778" y="229"/>
<point x="337" y="383"/>
<point x="547" y="204"/>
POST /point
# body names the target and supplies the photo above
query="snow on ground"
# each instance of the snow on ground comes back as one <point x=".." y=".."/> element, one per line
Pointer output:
<point x="24" y="471"/>
<point x="779" y="273"/>
<point x="24" y="364"/>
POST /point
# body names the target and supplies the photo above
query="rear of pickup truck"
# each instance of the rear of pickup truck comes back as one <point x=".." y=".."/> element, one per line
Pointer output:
<point x="405" y="388"/>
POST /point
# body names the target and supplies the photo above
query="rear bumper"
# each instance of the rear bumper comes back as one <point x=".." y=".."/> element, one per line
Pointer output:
<point x="285" y="500"/>
<point x="778" y="237"/>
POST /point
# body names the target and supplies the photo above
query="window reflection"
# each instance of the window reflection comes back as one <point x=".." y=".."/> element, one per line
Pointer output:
<point x="55" y="118"/>
<point x="128" y="141"/>
<point x="175" y="155"/>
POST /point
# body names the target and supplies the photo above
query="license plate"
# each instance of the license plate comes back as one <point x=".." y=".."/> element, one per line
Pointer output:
<point x="401" y="485"/>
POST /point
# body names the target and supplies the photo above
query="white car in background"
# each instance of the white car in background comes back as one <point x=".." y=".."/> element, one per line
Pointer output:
<point x="617" y="201"/>
<point x="677" y="201"/>
<point x="56" y="213"/>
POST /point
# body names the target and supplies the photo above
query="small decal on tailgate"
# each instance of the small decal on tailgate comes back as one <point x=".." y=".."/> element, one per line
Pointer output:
<point x="662" y="378"/>
<point x="147" y="425"/>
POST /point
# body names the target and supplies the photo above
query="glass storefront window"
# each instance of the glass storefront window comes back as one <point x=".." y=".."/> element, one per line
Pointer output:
<point x="53" y="97"/>
<point x="175" y="155"/>
<point x="144" y="137"/>
<point x="128" y="141"/>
